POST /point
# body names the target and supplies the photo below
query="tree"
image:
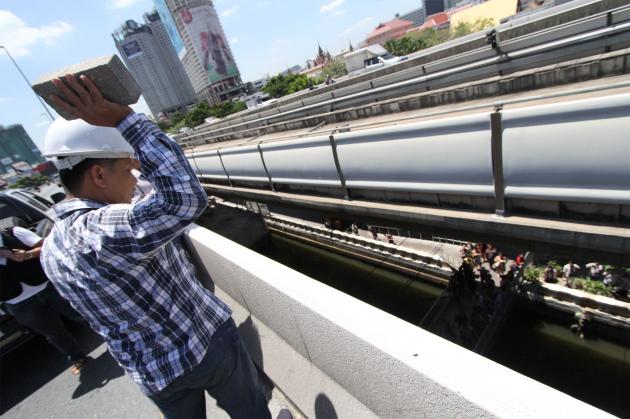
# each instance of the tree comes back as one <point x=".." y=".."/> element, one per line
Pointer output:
<point x="465" y="28"/>
<point x="197" y="115"/>
<point x="335" y="68"/>
<point x="31" y="181"/>
<point x="202" y="111"/>
<point x="177" y="117"/>
<point x="427" y="38"/>
<point x="283" y="85"/>
<point x="298" y="83"/>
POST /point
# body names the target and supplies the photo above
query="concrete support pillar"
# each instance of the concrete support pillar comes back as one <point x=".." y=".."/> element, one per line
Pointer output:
<point x="496" y="126"/>
<point x="262" y="158"/>
<point x="223" y="166"/>
<point x="342" y="179"/>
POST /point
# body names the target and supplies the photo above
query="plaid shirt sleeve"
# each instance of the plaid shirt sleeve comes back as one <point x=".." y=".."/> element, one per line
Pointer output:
<point x="140" y="229"/>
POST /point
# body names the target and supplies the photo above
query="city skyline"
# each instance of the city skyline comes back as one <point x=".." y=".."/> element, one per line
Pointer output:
<point x="265" y="36"/>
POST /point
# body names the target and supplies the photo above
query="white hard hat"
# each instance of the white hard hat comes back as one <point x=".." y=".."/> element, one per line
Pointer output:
<point x="67" y="143"/>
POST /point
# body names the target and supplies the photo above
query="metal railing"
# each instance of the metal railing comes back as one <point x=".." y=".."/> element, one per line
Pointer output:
<point x="450" y="241"/>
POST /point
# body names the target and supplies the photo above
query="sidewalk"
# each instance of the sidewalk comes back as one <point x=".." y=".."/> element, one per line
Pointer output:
<point x="35" y="383"/>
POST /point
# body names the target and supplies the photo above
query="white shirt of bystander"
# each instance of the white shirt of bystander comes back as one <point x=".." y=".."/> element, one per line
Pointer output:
<point x="30" y="239"/>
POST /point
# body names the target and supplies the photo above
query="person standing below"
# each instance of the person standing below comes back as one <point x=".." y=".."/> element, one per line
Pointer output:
<point x="373" y="232"/>
<point x="568" y="272"/>
<point x="30" y="299"/>
<point x="121" y="267"/>
<point x="595" y="270"/>
<point x="551" y="276"/>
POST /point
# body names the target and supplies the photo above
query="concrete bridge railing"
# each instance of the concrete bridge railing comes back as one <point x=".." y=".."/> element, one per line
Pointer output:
<point x="335" y="356"/>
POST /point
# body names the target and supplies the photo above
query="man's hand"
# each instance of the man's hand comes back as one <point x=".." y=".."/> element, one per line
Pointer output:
<point x="19" y="255"/>
<point x="86" y="102"/>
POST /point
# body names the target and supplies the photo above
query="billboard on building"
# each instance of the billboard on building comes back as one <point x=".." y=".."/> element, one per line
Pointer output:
<point x="203" y="27"/>
<point x="171" y="27"/>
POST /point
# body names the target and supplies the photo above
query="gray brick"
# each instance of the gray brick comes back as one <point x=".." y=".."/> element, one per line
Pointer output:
<point x="108" y="73"/>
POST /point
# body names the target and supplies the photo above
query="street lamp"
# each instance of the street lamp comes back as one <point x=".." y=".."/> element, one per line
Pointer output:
<point x="52" y="118"/>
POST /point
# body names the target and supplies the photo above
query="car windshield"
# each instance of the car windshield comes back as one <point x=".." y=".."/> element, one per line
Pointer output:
<point x="31" y="200"/>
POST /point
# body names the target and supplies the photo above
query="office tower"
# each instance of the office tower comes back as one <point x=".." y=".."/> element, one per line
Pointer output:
<point x="16" y="146"/>
<point x="432" y="7"/>
<point x="148" y="53"/>
<point x="196" y="32"/>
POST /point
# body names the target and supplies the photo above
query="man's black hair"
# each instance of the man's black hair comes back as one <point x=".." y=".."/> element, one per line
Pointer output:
<point x="73" y="177"/>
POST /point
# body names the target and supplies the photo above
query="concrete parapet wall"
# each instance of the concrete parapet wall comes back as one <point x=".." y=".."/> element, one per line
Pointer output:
<point x="335" y="356"/>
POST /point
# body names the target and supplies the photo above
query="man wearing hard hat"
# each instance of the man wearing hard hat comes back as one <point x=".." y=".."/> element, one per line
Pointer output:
<point x="119" y="266"/>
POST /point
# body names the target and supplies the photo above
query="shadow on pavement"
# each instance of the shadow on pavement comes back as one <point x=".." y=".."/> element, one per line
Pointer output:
<point x="324" y="409"/>
<point x="96" y="374"/>
<point x="32" y="365"/>
<point x="251" y="338"/>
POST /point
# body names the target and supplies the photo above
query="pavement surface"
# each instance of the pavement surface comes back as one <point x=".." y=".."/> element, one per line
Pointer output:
<point x="35" y="382"/>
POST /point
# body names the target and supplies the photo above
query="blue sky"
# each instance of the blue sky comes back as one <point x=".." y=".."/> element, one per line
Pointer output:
<point x="266" y="37"/>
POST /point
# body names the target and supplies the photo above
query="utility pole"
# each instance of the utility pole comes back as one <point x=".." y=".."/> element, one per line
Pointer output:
<point x="52" y="118"/>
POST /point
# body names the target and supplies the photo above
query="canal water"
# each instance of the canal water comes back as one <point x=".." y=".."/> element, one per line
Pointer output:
<point x="595" y="370"/>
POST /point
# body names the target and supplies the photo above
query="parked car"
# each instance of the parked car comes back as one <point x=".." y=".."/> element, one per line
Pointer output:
<point x="26" y="209"/>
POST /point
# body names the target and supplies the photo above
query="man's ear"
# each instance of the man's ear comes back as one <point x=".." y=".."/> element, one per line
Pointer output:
<point x="97" y="175"/>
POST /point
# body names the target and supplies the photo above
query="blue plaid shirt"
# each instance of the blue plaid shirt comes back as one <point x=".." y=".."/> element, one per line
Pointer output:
<point x="121" y="267"/>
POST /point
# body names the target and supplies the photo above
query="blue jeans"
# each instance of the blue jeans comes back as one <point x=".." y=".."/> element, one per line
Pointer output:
<point x="227" y="373"/>
<point x="42" y="313"/>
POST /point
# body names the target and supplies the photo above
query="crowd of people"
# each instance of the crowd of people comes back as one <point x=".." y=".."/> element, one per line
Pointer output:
<point x="595" y="271"/>
<point x="480" y="286"/>
<point x="478" y="254"/>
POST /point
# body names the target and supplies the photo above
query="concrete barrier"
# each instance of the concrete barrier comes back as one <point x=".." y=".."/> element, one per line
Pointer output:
<point x="335" y="356"/>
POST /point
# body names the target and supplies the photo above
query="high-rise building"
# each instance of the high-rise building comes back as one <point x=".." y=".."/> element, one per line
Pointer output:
<point x="416" y="17"/>
<point x="432" y="7"/>
<point x="196" y="32"/>
<point x="17" y="146"/>
<point x="152" y="60"/>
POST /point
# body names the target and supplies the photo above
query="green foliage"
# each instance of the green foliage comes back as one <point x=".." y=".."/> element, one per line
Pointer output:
<point x="533" y="273"/>
<point x="464" y="28"/>
<point x="283" y="85"/>
<point x="554" y="264"/>
<point x="164" y="125"/>
<point x="200" y="113"/>
<point x="427" y="38"/>
<point x="175" y="128"/>
<point x="197" y="115"/>
<point x="593" y="287"/>
<point x="298" y="83"/>
<point x="31" y="181"/>
<point x="318" y="79"/>
<point x="177" y="118"/>
<point x="335" y="68"/>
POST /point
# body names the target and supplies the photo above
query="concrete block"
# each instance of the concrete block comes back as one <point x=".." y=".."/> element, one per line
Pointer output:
<point x="108" y="73"/>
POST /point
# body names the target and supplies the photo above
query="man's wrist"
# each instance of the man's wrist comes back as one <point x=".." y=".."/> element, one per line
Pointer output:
<point x="121" y="115"/>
